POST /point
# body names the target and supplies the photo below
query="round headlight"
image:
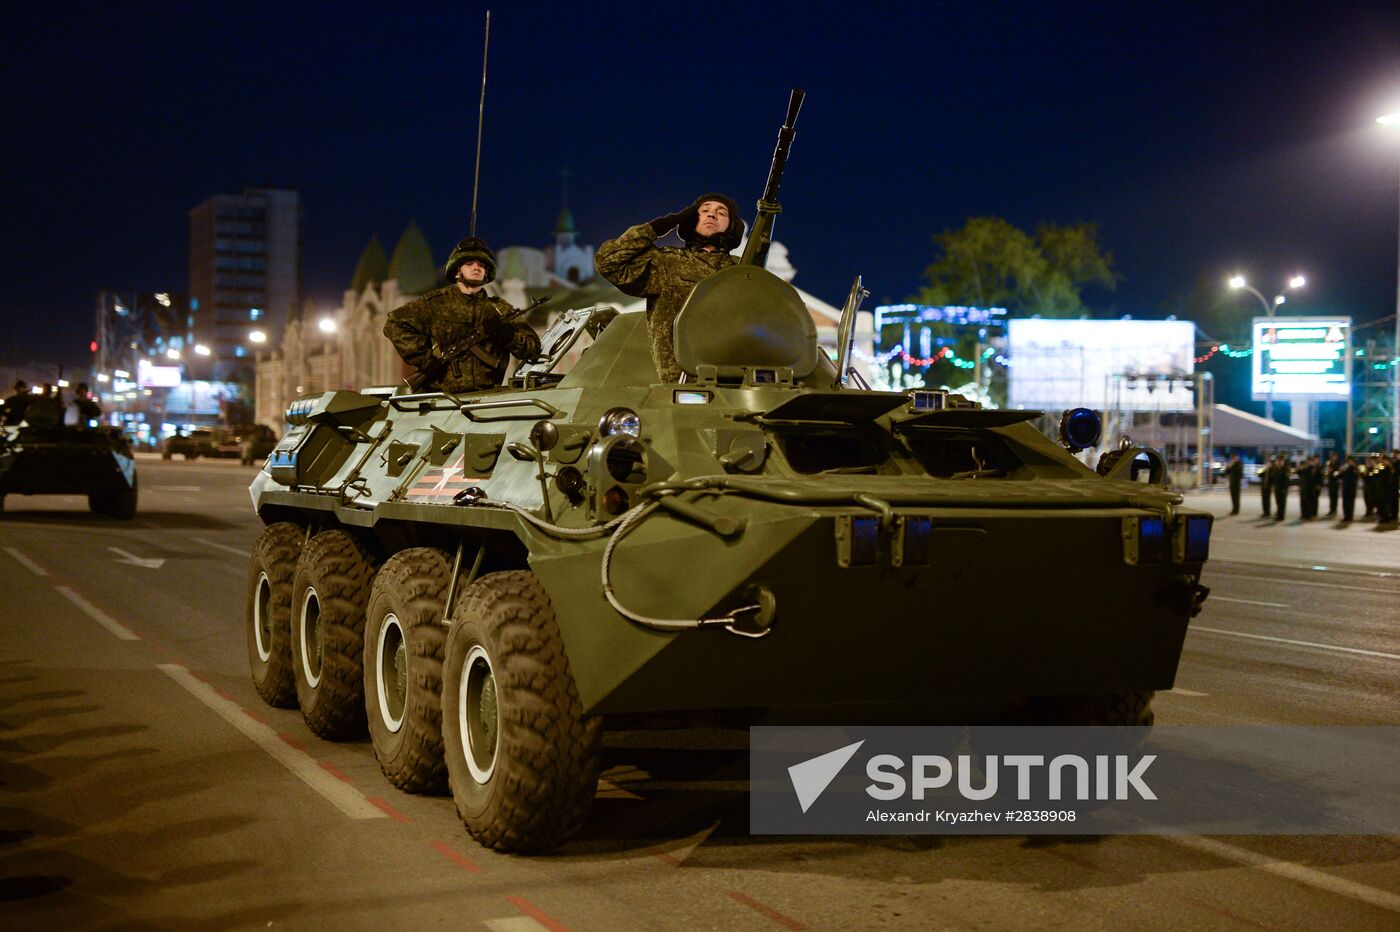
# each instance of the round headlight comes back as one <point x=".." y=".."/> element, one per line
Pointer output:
<point x="620" y="421"/>
<point x="1080" y="428"/>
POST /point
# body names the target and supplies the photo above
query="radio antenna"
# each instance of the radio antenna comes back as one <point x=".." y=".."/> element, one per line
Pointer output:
<point x="480" y="119"/>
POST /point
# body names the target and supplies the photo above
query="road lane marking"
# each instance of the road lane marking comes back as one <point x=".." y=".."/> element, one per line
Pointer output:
<point x="27" y="563"/>
<point x="98" y="615"/>
<point x="515" y="924"/>
<point x="218" y="546"/>
<point x="455" y="856"/>
<point x="150" y="563"/>
<point x="1295" y="872"/>
<point x="1221" y="598"/>
<point x="1347" y="570"/>
<point x="175" y="488"/>
<point x="533" y="911"/>
<point x="341" y="795"/>
<point x="765" y="909"/>
<point x="1265" y="637"/>
<point x="1178" y="691"/>
<point x="1303" y="582"/>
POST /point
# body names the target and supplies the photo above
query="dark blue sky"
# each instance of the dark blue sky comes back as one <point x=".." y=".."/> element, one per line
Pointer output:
<point x="1201" y="137"/>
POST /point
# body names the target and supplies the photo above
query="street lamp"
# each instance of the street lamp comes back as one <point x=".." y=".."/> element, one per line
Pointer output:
<point x="201" y="350"/>
<point x="327" y="324"/>
<point x="257" y="336"/>
<point x="1238" y="282"/>
<point x="1393" y="119"/>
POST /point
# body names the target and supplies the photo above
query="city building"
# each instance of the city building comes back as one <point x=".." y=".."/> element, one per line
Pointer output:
<point x="245" y="274"/>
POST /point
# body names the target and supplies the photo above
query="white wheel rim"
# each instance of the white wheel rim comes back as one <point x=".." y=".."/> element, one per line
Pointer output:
<point x="476" y="670"/>
<point x="261" y="600"/>
<point x="310" y="602"/>
<point x="391" y="636"/>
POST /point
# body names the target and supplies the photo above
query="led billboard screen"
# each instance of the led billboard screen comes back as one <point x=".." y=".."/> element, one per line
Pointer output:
<point x="1142" y="365"/>
<point x="1302" y="358"/>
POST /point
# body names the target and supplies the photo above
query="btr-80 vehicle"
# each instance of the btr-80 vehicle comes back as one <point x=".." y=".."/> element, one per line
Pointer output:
<point x="68" y="460"/>
<point x="487" y="581"/>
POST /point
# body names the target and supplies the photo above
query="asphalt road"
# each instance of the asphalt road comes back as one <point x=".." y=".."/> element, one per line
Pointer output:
<point x="144" y="785"/>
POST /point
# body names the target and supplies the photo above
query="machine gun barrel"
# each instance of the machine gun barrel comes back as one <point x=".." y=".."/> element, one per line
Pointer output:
<point x="756" y="252"/>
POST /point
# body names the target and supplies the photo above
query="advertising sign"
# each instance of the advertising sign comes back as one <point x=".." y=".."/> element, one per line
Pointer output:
<point x="1143" y="365"/>
<point x="1302" y="358"/>
<point x="149" y="376"/>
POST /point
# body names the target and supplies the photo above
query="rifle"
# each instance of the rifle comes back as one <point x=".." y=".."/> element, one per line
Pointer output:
<point x="443" y="356"/>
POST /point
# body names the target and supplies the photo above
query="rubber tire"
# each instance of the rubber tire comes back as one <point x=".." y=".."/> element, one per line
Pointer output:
<point x="545" y="772"/>
<point x="411" y="585"/>
<point x="339" y="568"/>
<point x="119" y="503"/>
<point x="275" y="554"/>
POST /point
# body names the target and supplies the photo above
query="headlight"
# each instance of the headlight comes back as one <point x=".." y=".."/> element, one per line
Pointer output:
<point x="620" y="421"/>
<point x="1080" y="428"/>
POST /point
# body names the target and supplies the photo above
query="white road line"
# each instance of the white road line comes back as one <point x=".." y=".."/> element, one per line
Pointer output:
<point x="1263" y="637"/>
<point x="1315" y="567"/>
<point x="218" y="546"/>
<point x="175" y="488"/>
<point x="98" y="615"/>
<point x="1221" y="598"/>
<point x="27" y="563"/>
<point x="343" y="796"/>
<point x="515" y="924"/>
<point x="1294" y="872"/>
<point x="1303" y="582"/>
<point x="1178" y="691"/>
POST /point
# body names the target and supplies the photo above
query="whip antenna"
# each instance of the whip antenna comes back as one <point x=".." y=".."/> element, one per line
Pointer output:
<point x="480" y="119"/>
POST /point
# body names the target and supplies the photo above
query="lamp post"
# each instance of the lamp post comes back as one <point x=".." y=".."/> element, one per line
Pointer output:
<point x="1238" y="282"/>
<point x="1393" y="120"/>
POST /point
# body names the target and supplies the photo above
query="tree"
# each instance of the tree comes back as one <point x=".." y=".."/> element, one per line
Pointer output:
<point x="992" y="263"/>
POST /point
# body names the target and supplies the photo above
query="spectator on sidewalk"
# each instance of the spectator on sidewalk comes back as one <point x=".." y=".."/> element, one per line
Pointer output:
<point x="1279" y="476"/>
<point x="1235" y="474"/>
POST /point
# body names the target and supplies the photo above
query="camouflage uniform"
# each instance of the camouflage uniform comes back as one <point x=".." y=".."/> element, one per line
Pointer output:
<point x="663" y="275"/>
<point x="425" y="327"/>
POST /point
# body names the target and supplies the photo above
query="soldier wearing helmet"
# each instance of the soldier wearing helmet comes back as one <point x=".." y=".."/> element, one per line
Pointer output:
<point x="710" y="227"/>
<point x="424" y="331"/>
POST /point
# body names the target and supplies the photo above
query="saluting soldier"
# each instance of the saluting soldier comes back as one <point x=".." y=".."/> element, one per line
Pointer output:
<point x="710" y="227"/>
<point x="424" y="331"/>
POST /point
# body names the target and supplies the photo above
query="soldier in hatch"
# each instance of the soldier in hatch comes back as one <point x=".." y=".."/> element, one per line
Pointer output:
<point x="664" y="275"/>
<point x="429" y="333"/>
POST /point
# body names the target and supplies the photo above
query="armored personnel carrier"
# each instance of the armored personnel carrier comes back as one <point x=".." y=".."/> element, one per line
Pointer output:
<point x="486" y="582"/>
<point x="67" y="460"/>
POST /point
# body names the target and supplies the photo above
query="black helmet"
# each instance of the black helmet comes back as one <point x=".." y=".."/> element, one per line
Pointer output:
<point x="469" y="250"/>
<point x="727" y="240"/>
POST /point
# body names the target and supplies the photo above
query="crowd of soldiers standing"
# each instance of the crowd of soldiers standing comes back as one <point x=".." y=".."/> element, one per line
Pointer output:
<point x="1376" y="477"/>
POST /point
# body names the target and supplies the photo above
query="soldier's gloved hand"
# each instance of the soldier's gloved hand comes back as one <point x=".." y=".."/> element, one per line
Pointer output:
<point x="665" y="224"/>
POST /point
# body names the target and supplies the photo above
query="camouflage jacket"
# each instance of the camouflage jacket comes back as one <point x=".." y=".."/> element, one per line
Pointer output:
<point x="424" y="329"/>
<point x="664" y="276"/>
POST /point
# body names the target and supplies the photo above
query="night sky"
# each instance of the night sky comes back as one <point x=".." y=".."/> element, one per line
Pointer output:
<point x="1201" y="138"/>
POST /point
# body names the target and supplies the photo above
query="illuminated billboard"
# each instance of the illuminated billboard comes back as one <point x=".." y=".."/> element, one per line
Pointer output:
<point x="149" y="376"/>
<point x="1140" y="365"/>
<point x="1302" y="358"/>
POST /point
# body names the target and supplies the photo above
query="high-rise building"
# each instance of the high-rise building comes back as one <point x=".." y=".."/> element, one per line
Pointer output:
<point x="245" y="274"/>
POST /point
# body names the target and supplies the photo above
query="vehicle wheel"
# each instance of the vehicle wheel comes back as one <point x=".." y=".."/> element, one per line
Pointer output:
<point x="404" y="636"/>
<point x="190" y="456"/>
<point x="522" y="758"/>
<point x="119" y="503"/>
<point x="166" y="454"/>
<point x="268" y="613"/>
<point x="329" y="595"/>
